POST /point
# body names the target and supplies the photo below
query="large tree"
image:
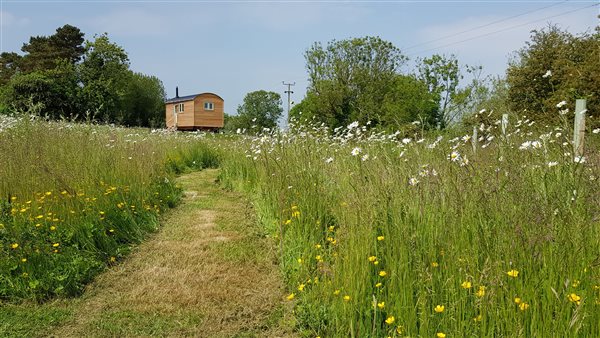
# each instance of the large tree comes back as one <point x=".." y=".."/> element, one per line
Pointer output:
<point x="104" y="74"/>
<point x="349" y="79"/>
<point x="260" y="109"/>
<point x="44" y="52"/>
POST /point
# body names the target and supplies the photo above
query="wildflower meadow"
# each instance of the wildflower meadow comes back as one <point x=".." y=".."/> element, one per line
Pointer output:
<point x="432" y="235"/>
<point x="377" y="234"/>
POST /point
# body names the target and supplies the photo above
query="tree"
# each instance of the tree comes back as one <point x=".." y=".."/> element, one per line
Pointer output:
<point x="555" y="66"/>
<point x="349" y="79"/>
<point x="408" y="100"/>
<point x="44" y="52"/>
<point x="10" y="64"/>
<point x="143" y="102"/>
<point x="104" y="74"/>
<point x="442" y="75"/>
<point x="261" y="109"/>
<point x="55" y="90"/>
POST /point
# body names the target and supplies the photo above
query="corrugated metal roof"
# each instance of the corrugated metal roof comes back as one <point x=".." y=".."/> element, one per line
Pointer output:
<point x="189" y="98"/>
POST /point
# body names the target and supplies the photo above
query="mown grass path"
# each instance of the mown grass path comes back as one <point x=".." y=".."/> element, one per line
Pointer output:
<point x="209" y="272"/>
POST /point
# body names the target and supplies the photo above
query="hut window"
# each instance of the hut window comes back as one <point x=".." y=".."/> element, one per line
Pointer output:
<point x="209" y="106"/>
<point x="181" y="107"/>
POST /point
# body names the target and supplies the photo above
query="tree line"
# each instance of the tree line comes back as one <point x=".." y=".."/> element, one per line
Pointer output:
<point x="361" y="79"/>
<point x="65" y="76"/>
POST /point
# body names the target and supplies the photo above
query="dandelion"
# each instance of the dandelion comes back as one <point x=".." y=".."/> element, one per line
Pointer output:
<point x="336" y="292"/>
<point x="52" y="228"/>
<point x="55" y="245"/>
<point x="481" y="292"/>
<point x="439" y="308"/>
<point x="513" y="273"/>
<point x="380" y="238"/>
<point x="23" y="260"/>
<point x="381" y="305"/>
<point x="291" y="296"/>
<point x="301" y="287"/>
<point x="523" y="306"/>
<point x="440" y="335"/>
<point x="517" y="300"/>
<point x="378" y="285"/>
<point x="434" y="264"/>
<point x="14" y="245"/>
<point x="113" y="259"/>
<point x="346" y="298"/>
<point x="399" y="329"/>
<point x="466" y="285"/>
<point x="372" y="258"/>
<point x="382" y="273"/>
<point x="390" y="320"/>
<point x="478" y="318"/>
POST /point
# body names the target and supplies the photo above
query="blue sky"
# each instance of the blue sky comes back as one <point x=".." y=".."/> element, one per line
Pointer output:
<point x="234" y="47"/>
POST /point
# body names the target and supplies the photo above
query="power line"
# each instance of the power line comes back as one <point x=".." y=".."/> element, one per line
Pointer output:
<point x="501" y="30"/>
<point x="482" y="26"/>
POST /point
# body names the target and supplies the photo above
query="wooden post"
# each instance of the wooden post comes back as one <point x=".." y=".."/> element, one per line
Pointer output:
<point x="504" y="124"/>
<point x="579" y="131"/>
<point x="474" y="140"/>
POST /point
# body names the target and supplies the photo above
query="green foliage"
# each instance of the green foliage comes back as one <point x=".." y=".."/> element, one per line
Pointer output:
<point x="43" y="52"/>
<point x="105" y="76"/>
<point x="555" y="66"/>
<point x="261" y="109"/>
<point x="406" y="102"/>
<point x="54" y="90"/>
<point x="349" y="80"/>
<point x="51" y="77"/>
<point x="442" y="75"/>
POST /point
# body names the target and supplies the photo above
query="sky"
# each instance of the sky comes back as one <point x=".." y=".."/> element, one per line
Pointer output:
<point x="232" y="48"/>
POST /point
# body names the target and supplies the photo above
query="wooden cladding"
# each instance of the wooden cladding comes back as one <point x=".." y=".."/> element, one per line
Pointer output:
<point x="196" y="113"/>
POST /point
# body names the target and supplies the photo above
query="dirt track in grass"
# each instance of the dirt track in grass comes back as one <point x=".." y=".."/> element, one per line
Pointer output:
<point x="209" y="272"/>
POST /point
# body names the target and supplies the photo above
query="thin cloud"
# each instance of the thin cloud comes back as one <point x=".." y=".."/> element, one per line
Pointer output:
<point x="494" y="50"/>
<point x="10" y="20"/>
<point x="133" y="22"/>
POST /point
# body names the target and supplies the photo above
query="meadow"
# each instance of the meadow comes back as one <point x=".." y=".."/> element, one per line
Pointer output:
<point x="75" y="198"/>
<point x="383" y="235"/>
<point x="377" y="234"/>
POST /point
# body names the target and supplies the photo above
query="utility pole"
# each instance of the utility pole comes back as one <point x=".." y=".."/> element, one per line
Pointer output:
<point x="288" y="92"/>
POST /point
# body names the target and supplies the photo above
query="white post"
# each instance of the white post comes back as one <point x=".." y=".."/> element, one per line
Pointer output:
<point x="579" y="130"/>
<point x="504" y="124"/>
<point x="474" y="140"/>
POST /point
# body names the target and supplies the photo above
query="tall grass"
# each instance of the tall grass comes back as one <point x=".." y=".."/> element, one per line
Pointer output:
<point x="382" y="236"/>
<point x="75" y="198"/>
